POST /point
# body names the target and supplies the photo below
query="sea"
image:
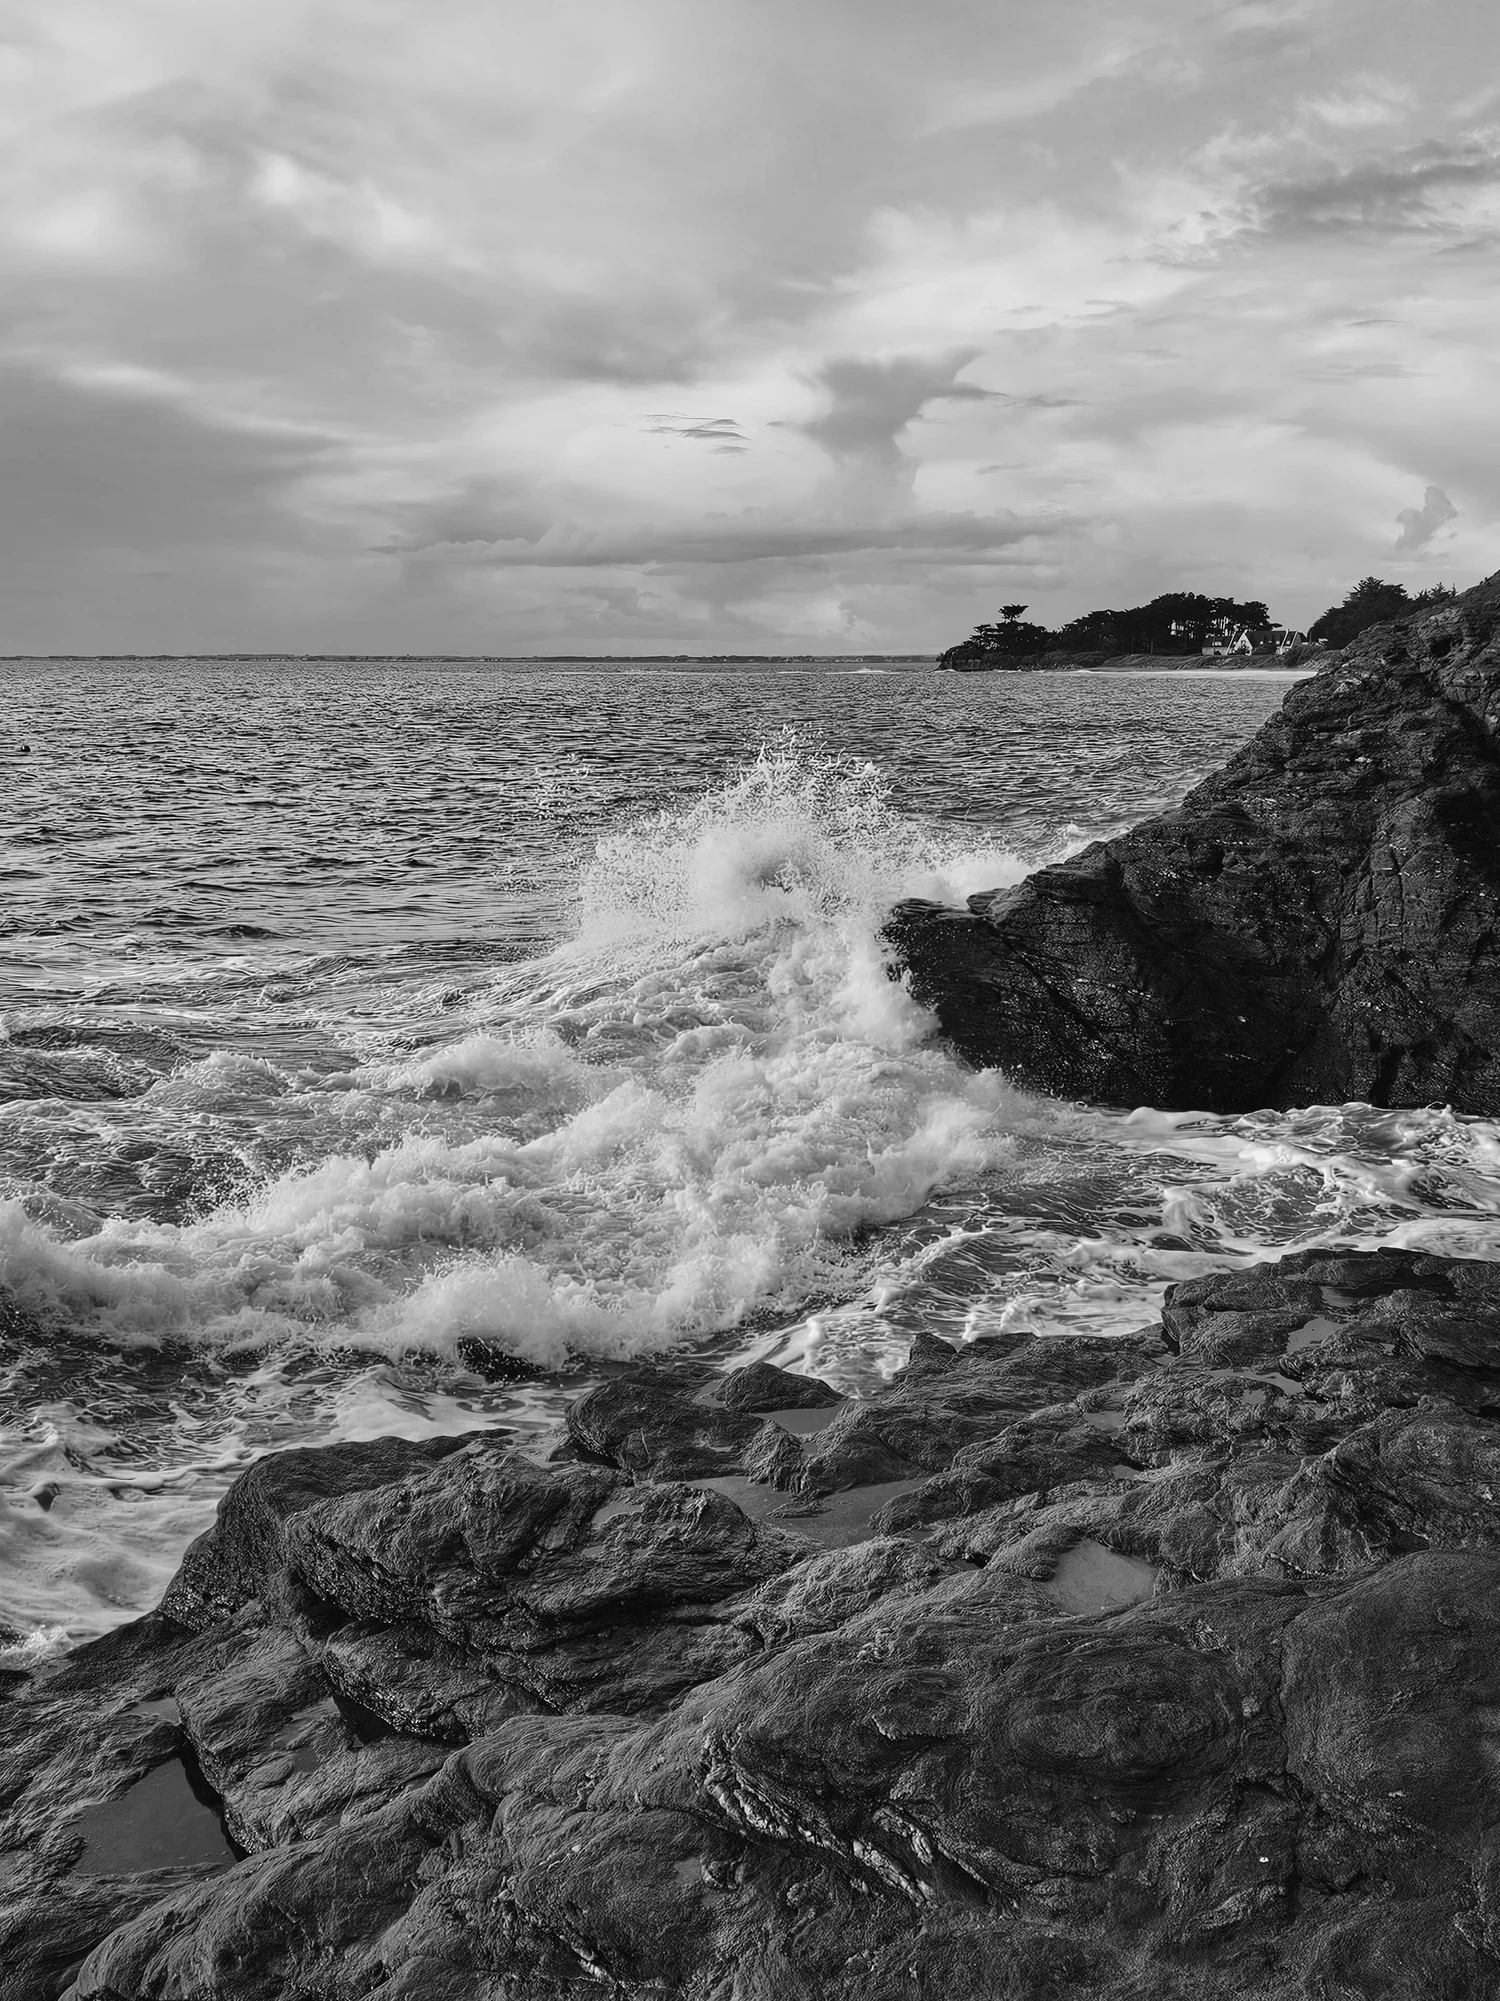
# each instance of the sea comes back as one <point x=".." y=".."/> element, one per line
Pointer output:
<point x="402" y="1047"/>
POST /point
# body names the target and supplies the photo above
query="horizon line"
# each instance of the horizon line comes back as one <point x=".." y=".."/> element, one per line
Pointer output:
<point x="702" y="659"/>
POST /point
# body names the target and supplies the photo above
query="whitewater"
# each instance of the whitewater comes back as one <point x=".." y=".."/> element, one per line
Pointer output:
<point x="400" y="1047"/>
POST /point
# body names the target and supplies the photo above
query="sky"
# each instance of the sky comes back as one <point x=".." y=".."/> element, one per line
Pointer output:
<point x="743" y="326"/>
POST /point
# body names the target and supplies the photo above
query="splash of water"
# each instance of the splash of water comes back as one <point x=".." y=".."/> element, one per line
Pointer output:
<point x="710" y="1114"/>
<point x="679" y="1117"/>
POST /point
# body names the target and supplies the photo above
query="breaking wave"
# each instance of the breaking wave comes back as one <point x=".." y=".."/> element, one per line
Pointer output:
<point x="315" y="1195"/>
<point x="679" y="1117"/>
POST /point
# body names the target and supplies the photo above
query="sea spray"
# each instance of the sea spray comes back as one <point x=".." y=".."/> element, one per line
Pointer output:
<point x="679" y="1116"/>
<point x="704" y="1112"/>
<point x="692" y="1111"/>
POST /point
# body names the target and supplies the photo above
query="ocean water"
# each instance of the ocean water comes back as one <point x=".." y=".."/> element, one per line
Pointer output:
<point x="392" y="1047"/>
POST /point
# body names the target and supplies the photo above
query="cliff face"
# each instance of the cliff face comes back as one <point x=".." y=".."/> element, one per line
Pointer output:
<point x="1317" y="922"/>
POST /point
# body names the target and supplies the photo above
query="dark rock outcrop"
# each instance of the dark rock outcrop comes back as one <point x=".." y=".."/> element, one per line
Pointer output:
<point x="1170" y="1671"/>
<point x="762" y="1386"/>
<point x="645" y="1425"/>
<point x="1317" y="922"/>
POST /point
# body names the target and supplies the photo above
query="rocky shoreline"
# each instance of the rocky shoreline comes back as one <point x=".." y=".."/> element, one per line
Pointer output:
<point x="1163" y="1667"/>
<point x="1318" y="922"/>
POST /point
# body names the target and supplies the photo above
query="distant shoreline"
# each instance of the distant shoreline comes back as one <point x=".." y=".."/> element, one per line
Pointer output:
<point x="1189" y="667"/>
<point x="1159" y="663"/>
<point x="509" y="659"/>
<point x="1162" y="663"/>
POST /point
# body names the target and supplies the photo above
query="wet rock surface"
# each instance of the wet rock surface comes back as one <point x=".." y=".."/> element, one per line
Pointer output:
<point x="1317" y="922"/>
<point x="1148" y="1670"/>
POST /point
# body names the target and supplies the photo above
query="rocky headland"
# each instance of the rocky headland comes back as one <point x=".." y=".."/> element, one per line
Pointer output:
<point x="1155" y="1669"/>
<point x="1317" y="922"/>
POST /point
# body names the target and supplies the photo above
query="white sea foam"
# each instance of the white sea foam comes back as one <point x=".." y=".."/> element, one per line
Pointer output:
<point x="678" y="1117"/>
<point x="689" y="1113"/>
<point x="711" y="1108"/>
<point x="537" y="1070"/>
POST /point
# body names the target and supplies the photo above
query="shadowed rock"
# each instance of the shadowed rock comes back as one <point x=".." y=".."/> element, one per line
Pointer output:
<point x="1317" y="922"/>
<point x="645" y="1424"/>
<point x="762" y="1386"/>
<point x="235" y="1559"/>
<point x="945" y="1399"/>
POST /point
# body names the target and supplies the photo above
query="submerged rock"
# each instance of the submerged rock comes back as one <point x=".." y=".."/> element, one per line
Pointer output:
<point x="1168" y="1670"/>
<point x="1317" y="922"/>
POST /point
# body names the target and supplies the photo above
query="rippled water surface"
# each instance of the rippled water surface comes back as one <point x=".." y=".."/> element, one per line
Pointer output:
<point x="397" y="1046"/>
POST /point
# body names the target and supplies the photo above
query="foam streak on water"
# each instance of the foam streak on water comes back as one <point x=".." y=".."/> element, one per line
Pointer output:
<point x="648" y="1083"/>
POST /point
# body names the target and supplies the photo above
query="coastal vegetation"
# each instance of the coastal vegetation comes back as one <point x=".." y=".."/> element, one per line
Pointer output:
<point x="1180" y="623"/>
<point x="1369" y="603"/>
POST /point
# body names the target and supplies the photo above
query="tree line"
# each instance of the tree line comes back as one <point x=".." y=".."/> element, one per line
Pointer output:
<point x="1180" y="622"/>
<point x="1371" y="602"/>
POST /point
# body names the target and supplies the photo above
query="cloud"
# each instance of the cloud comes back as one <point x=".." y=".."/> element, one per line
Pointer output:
<point x="716" y="431"/>
<point x="1040" y="402"/>
<point x="184" y="522"/>
<point x="1435" y="187"/>
<point x="750" y="537"/>
<point x="1374" y="101"/>
<point x="319" y="329"/>
<point x="1420" y="524"/>
<point x="1274" y="21"/>
<point x="870" y="403"/>
<point x="1133" y="51"/>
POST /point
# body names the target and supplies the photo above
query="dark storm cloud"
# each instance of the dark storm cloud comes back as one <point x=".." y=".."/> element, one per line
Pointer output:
<point x="1420" y="524"/>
